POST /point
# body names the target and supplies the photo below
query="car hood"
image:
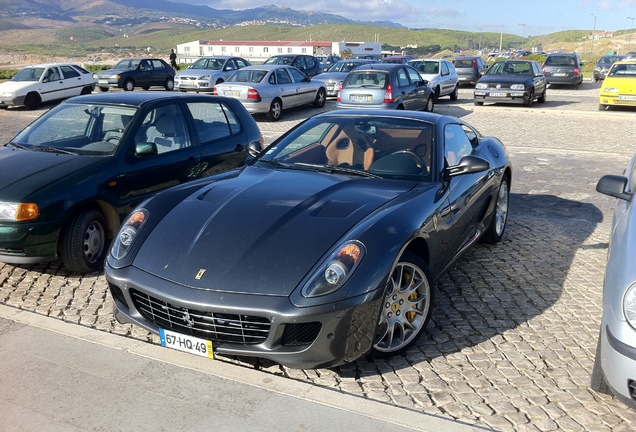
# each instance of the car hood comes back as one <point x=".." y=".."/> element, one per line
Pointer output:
<point x="17" y="86"/>
<point x="23" y="172"/>
<point x="109" y="72"/>
<point x="260" y="232"/>
<point x="198" y="73"/>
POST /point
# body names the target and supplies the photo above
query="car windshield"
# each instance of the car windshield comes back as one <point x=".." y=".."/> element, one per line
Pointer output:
<point x="127" y="64"/>
<point x="343" y="66"/>
<point x="29" y="74"/>
<point x="386" y="147"/>
<point x="510" y="68"/>
<point x="623" y="70"/>
<point x="213" y="64"/>
<point x="610" y="59"/>
<point x="78" y="129"/>
<point x="279" y="60"/>
<point x="248" y="76"/>
<point x="366" y="79"/>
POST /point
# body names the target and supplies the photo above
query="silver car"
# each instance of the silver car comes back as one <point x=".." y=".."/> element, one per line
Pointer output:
<point x="268" y="89"/>
<point x="338" y="72"/>
<point x="385" y="86"/>
<point x="614" y="369"/>
<point x="441" y="76"/>
<point x="205" y="73"/>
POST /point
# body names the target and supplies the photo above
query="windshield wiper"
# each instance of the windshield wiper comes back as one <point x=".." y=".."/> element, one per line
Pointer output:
<point x="16" y="145"/>
<point x="54" y="150"/>
<point x="337" y="169"/>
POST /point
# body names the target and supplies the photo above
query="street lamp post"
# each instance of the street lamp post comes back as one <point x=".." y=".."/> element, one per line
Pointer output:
<point x="629" y="39"/>
<point x="501" y="41"/>
<point x="593" y="33"/>
<point x="524" y="29"/>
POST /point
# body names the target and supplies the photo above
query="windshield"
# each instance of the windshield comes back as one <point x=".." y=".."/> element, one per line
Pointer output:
<point x="29" y="74"/>
<point x="386" y="147"/>
<point x="248" y="76"/>
<point x="213" y="64"/>
<point x="79" y="129"/>
<point x="622" y="70"/>
<point x="368" y="79"/>
<point x="511" y="68"/>
<point x="127" y="64"/>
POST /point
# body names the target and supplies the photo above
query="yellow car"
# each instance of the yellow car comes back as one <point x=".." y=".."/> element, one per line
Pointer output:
<point x="619" y="86"/>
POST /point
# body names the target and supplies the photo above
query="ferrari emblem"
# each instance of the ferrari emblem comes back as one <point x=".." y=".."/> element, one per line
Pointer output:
<point x="200" y="274"/>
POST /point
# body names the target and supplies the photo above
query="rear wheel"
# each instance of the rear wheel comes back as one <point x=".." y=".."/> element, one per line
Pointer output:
<point x="86" y="90"/>
<point x="430" y="105"/>
<point x="129" y="85"/>
<point x="83" y="242"/>
<point x="455" y="94"/>
<point x="528" y="103"/>
<point x="146" y="87"/>
<point x="275" y="110"/>
<point x="321" y="98"/>
<point x="407" y="307"/>
<point x="169" y="84"/>
<point x="104" y="89"/>
<point x="32" y="101"/>
<point x="478" y="103"/>
<point x="495" y="231"/>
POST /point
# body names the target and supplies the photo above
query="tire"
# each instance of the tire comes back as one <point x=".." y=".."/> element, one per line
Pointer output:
<point x="436" y="94"/>
<point x="83" y="242"/>
<point x="32" y="101"/>
<point x="169" y="84"/>
<point x="430" y="105"/>
<point x="497" y="226"/>
<point x="528" y="103"/>
<point x="321" y="98"/>
<point x="544" y="96"/>
<point x="455" y="94"/>
<point x="86" y="90"/>
<point x="597" y="381"/>
<point x="104" y="89"/>
<point x="275" y="110"/>
<point x="478" y="103"/>
<point x="406" y="309"/>
<point x="603" y="107"/>
<point x="129" y="85"/>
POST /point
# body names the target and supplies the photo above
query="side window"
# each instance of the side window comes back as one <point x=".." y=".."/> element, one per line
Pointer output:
<point x="297" y="75"/>
<point x="310" y="62"/>
<point x="414" y="75"/>
<point x="69" y="72"/>
<point x="213" y="121"/>
<point x="299" y="63"/>
<point x="165" y="127"/>
<point x="282" y="77"/>
<point x="240" y="63"/>
<point x="445" y="70"/>
<point x="456" y="144"/>
<point x="144" y="66"/>
<point x="403" y="79"/>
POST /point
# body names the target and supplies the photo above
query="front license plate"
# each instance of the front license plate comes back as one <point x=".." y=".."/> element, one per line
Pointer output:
<point x="627" y="97"/>
<point x="103" y="81"/>
<point x="185" y="343"/>
<point x="360" y="98"/>
<point x="230" y="93"/>
<point x="498" y="94"/>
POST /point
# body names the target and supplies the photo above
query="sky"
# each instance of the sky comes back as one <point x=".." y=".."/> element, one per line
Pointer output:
<point x="522" y="17"/>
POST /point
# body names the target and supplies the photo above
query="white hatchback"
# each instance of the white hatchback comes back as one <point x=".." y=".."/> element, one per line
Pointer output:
<point x="45" y="82"/>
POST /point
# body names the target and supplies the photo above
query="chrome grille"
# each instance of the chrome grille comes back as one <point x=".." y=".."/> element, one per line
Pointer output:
<point x="234" y="328"/>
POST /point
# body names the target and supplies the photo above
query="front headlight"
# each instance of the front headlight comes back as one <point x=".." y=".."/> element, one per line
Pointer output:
<point x="115" y="76"/>
<point x="18" y="212"/>
<point x="128" y="233"/>
<point x="610" y="90"/>
<point x="335" y="270"/>
<point x="481" y="86"/>
<point x="517" y="87"/>
<point x="7" y="94"/>
<point x="204" y="78"/>
<point x="629" y="305"/>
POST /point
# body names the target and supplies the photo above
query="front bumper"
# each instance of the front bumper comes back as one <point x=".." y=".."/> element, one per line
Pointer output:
<point x="109" y="82"/>
<point x="268" y="327"/>
<point x="12" y="101"/>
<point x="502" y="96"/>
<point x="192" y="84"/>
<point x="614" y="99"/>
<point x="618" y="357"/>
<point x="28" y="243"/>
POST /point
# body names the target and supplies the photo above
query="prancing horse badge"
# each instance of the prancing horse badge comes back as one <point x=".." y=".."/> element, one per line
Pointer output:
<point x="200" y="274"/>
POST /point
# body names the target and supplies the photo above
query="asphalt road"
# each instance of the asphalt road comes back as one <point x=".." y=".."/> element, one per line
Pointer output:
<point x="513" y="335"/>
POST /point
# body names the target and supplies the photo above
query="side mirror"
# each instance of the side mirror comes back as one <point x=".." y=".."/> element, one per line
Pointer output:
<point x="145" y="149"/>
<point x="467" y="165"/>
<point x="254" y="148"/>
<point x="614" y="186"/>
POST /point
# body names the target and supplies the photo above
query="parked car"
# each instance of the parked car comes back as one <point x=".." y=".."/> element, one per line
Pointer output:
<point x="512" y="81"/>
<point x="40" y="83"/>
<point x="441" y="76"/>
<point x="269" y="89"/>
<point x="137" y="72"/>
<point x="563" y="68"/>
<point x="398" y="59"/>
<point x="326" y="61"/>
<point x="603" y="65"/>
<point x="307" y="64"/>
<point x="619" y="86"/>
<point x="614" y="370"/>
<point x="385" y="86"/>
<point x="205" y="73"/>
<point x="338" y="72"/>
<point x="69" y="179"/>
<point x="392" y="200"/>
<point x="469" y="69"/>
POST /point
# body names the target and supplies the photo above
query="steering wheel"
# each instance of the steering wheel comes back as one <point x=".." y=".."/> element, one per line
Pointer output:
<point x="417" y="158"/>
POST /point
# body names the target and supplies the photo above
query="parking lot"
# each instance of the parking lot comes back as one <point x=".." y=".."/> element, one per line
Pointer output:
<point x="512" y="338"/>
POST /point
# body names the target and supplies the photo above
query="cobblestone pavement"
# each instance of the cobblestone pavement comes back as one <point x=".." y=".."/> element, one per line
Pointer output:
<point x="513" y="335"/>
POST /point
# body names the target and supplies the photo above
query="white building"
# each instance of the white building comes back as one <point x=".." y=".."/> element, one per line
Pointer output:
<point x="259" y="51"/>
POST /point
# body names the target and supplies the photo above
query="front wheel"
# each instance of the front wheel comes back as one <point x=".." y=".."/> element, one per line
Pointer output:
<point x="430" y="105"/>
<point x="495" y="231"/>
<point x="169" y="84"/>
<point x="275" y="110"/>
<point x="32" y="101"/>
<point x="104" y="89"/>
<point x="86" y="91"/>
<point x="83" y="242"/>
<point x="528" y="103"/>
<point x="597" y="381"/>
<point x="129" y="85"/>
<point x="321" y="98"/>
<point x="406" y="308"/>
<point x="543" y="97"/>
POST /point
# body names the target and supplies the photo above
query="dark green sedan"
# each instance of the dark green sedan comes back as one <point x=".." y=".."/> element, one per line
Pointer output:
<point x="69" y="179"/>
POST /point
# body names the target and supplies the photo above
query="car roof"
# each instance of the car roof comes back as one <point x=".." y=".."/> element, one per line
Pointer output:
<point x="378" y="66"/>
<point x="51" y="64"/>
<point x="268" y="67"/>
<point x="133" y="98"/>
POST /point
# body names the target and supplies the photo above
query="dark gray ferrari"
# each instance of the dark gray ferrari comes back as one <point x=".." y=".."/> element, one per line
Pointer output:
<point x="324" y="248"/>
